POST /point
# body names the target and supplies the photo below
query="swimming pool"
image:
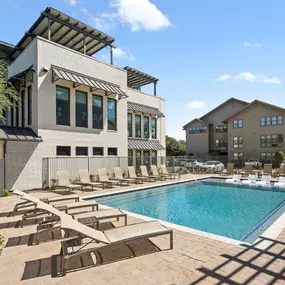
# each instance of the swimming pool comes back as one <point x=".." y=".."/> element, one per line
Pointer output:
<point x="211" y="206"/>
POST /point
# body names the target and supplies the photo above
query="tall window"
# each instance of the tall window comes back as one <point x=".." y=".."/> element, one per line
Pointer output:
<point x="238" y="142"/>
<point x="97" y="110"/>
<point x="146" y="127"/>
<point x="81" y="109"/>
<point x="238" y="123"/>
<point x="30" y="105"/>
<point x="62" y="106"/>
<point x="12" y="113"/>
<point x="153" y="128"/>
<point x="23" y="107"/>
<point x="17" y="115"/>
<point x="112" y="114"/>
<point x="130" y="125"/>
<point x="138" y="126"/>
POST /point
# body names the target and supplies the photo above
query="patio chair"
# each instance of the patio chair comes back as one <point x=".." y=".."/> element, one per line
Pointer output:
<point x="251" y="179"/>
<point x="103" y="178"/>
<point x="155" y="173"/>
<point x="133" y="175"/>
<point x="265" y="180"/>
<point x="229" y="170"/>
<point x="281" y="182"/>
<point x="119" y="176"/>
<point x="145" y="174"/>
<point x="75" y="247"/>
<point x="55" y="199"/>
<point x="85" y="180"/>
<point x="164" y="170"/>
<point x="64" y="181"/>
<point x="267" y="168"/>
<point x="248" y="168"/>
<point x="235" y="179"/>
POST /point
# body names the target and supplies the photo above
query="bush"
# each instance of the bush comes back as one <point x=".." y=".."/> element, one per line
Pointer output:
<point x="5" y="193"/>
<point x="1" y="244"/>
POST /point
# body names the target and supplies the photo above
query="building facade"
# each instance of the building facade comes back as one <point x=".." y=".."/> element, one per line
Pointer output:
<point x="73" y="105"/>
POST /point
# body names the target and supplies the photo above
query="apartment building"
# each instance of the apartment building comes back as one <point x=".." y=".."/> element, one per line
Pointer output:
<point x="238" y="130"/>
<point x="73" y="105"/>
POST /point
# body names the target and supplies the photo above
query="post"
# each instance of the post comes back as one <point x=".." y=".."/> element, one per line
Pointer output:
<point x="111" y="55"/>
<point x="84" y="44"/>
<point x="154" y="88"/>
<point x="49" y="29"/>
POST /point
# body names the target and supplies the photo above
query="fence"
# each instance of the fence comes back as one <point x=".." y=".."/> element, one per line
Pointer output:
<point x="2" y="174"/>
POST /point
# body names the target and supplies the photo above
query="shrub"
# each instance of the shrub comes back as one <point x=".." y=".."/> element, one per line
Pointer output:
<point x="1" y="244"/>
<point x="5" y="193"/>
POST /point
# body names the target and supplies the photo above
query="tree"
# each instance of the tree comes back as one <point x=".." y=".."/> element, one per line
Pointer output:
<point x="175" y="147"/>
<point x="8" y="94"/>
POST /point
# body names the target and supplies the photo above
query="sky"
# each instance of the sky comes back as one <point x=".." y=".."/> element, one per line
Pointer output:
<point x="203" y="52"/>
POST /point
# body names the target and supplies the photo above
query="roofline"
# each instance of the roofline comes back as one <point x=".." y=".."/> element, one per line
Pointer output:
<point x="250" y="104"/>
<point x="7" y="44"/>
<point x="196" y="119"/>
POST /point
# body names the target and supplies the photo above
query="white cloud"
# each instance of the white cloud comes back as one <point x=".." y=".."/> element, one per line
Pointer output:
<point x="179" y="135"/>
<point x="251" y="45"/>
<point x="193" y="105"/>
<point x="122" y="54"/>
<point x="250" y="77"/>
<point x="72" y="2"/>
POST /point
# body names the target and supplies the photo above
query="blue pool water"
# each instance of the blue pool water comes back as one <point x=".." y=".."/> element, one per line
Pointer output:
<point x="211" y="207"/>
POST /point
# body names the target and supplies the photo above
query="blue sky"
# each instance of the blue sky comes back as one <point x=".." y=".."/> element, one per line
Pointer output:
<point x="203" y="52"/>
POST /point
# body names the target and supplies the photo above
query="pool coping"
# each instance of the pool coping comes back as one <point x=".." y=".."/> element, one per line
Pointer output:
<point x="270" y="234"/>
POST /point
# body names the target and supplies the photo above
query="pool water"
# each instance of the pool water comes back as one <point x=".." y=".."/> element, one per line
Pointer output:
<point x="211" y="207"/>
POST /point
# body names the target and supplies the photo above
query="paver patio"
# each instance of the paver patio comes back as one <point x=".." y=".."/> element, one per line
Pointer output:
<point x="194" y="259"/>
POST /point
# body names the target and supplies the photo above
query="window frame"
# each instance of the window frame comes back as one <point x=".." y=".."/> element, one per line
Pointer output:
<point x="238" y="124"/>
<point x="271" y="141"/>
<point x="57" y="123"/>
<point x="145" y="130"/>
<point x="81" y="147"/>
<point x="130" y="125"/>
<point x="109" y="148"/>
<point x="101" y="123"/>
<point x="138" y="125"/>
<point x="221" y="128"/>
<point x="23" y="101"/>
<point x="238" y="142"/>
<point x="221" y="143"/>
<point x="98" y="148"/>
<point x="197" y="130"/>
<point x="63" y="155"/>
<point x="237" y="156"/>
<point x="153" y="119"/>
<point x="116" y="116"/>
<point x="30" y="105"/>
<point x="268" y="121"/>
<point x="77" y="92"/>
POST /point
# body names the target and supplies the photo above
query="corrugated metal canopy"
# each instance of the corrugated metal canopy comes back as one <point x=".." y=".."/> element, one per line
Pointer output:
<point x="144" y="144"/>
<point x="18" y="134"/>
<point x="65" y="31"/>
<point x="144" y="109"/>
<point x="137" y="78"/>
<point x="81" y="79"/>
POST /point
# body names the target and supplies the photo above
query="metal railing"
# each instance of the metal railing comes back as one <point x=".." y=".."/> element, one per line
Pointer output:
<point x="2" y="180"/>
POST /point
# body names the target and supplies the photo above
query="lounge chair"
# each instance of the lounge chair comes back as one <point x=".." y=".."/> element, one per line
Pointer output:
<point x="157" y="174"/>
<point x="119" y="176"/>
<point x="56" y="199"/>
<point x="248" y="169"/>
<point x="64" y="181"/>
<point x="281" y="182"/>
<point x="236" y="178"/>
<point x="267" y="169"/>
<point x="265" y="180"/>
<point x="77" y="205"/>
<point x="229" y="170"/>
<point x="103" y="178"/>
<point x="133" y="175"/>
<point x="85" y="180"/>
<point x="251" y="179"/>
<point x="118" y="235"/>
<point x="165" y="172"/>
<point x="149" y="177"/>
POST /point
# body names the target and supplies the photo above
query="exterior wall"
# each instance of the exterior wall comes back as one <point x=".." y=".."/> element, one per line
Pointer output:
<point x="252" y="130"/>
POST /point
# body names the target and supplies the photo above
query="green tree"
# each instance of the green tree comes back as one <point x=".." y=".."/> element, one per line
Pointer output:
<point x="8" y="94"/>
<point x="175" y="147"/>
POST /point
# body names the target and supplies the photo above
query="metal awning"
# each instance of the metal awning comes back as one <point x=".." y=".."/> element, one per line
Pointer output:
<point x="138" y="78"/>
<point x="24" y="77"/>
<point x="8" y="133"/>
<point x="81" y="79"/>
<point x="144" y="109"/>
<point x="144" y="144"/>
<point x="64" y="30"/>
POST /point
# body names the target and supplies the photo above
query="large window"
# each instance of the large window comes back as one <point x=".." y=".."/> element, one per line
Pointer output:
<point x="112" y="151"/>
<point x="130" y="125"/>
<point x="23" y="107"/>
<point x="98" y="151"/>
<point x="30" y="105"/>
<point x="81" y="109"/>
<point x="81" y="151"/>
<point x="198" y="129"/>
<point x="97" y="110"/>
<point x="221" y="129"/>
<point x="146" y="127"/>
<point x="238" y="123"/>
<point x="138" y="126"/>
<point x="267" y="155"/>
<point x="221" y="143"/>
<point x="238" y="142"/>
<point x="238" y="155"/>
<point x="271" y="121"/>
<point x="153" y="128"/>
<point x="62" y="106"/>
<point x="271" y="140"/>
<point x="112" y="114"/>
<point x="63" y="151"/>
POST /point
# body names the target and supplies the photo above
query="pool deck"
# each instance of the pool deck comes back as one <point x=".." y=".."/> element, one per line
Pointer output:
<point x="195" y="259"/>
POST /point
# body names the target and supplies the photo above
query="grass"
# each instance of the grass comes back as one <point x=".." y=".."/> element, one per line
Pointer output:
<point x="1" y="244"/>
<point x="5" y="193"/>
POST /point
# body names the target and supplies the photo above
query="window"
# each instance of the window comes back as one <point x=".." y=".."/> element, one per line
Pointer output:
<point x="23" y="107"/>
<point x="280" y="120"/>
<point x="238" y="142"/>
<point x="63" y="151"/>
<point x="81" y="109"/>
<point x="198" y="129"/>
<point x="112" y="114"/>
<point x="146" y="127"/>
<point x="98" y="151"/>
<point x="112" y="151"/>
<point x="12" y="113"/>
<point x="97" y="112"/>
<point x="130" y="125"/>
<point x="221" y="129"/>
<point x="221" y="143"/>
<point x="62" y="106"/>
<point x="153" y="128"/>
<point x="154" y="153"/>
<point x="238" y="155"/>
<point x="238" y="123"/>
<point x="262" y="121"/>
<point x="82" y="151"/>
<point x="267" y="155"/>
<point x="138" y="126"/>
<point x="30" y="105"/>
<point x="268" y="121"/>
<point x="130" y="152"/>
<point x="271" y="140"/>
<point x="17" y="115"/>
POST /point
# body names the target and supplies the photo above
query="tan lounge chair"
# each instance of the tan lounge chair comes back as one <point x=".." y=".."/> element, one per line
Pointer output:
<point x="229" y="170"/>
<point x="64" y="181"/>
<point x="267" y="169"/>
<point x="85" y="180"/>
<point x="133" y="175"/>
<point x="110" y="237"/>
<point x="156" y="173"/>
<point x="119" y="176"/>
<point x="248" y="169"/>
<point x="165" y="172"/>
<point x="145" y="174"/>
<point x="77" y="205"/>
<point x="103" y="177"/>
